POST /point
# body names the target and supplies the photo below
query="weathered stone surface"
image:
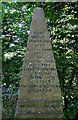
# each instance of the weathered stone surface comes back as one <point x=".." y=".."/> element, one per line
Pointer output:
<point x="39" y="92"/>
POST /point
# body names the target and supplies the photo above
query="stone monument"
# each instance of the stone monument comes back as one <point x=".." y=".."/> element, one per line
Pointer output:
<point x="39" y="91"/>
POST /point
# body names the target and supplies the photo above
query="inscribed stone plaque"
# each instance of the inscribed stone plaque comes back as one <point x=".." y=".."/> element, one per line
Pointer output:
<point x="39" y="91"/>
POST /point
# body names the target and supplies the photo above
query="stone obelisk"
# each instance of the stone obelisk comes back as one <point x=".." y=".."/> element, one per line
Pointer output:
<point x="39" y="91"/>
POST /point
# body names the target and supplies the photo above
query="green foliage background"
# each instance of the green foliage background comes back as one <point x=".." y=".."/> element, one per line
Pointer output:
<point x="62" y="23"/>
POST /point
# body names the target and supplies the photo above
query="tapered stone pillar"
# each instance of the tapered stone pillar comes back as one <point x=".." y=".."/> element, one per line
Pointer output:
<point x="39" y="91"/>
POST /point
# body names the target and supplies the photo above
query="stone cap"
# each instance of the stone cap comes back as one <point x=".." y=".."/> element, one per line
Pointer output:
<point x="38" y="10"/>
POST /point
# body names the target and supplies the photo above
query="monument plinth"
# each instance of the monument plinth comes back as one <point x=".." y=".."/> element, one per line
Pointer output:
<point x="39" y="91"/>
